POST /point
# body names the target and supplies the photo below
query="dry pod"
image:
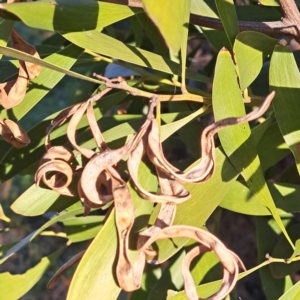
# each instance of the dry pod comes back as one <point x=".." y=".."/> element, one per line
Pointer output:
<point x="56" y="162"/>
<point x="100" y="182"/>
<point x="230" y="261"/>
<point x="13" y="92"/>
<point x="13" y="133"/>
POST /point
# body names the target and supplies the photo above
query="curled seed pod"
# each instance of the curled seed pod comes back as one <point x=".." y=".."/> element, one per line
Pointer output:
<point x="129" y="275"/>
<point x="230" y="261"/>
<point x="100" y="182"/>
<point x="32" y="69"/>
<point x="165" y="216"/>
<point x="102" y="162"/>
<point x="58" y="153"/>
<point x="13" y="133"/>
<point x="103" y="187"/>
<point x="75" y="119"/>
<point x="133" y="163"/>
<point x="205" y="168"/>
<point x="62" y="178"/>
<point x="13" y="92"/>
<point x="56" y="163"/>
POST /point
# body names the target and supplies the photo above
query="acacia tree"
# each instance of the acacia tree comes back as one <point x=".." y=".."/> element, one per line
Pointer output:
<point x="98" y="162"/>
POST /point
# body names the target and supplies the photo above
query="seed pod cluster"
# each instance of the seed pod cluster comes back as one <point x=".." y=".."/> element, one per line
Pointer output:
<point x="99" y="182"/>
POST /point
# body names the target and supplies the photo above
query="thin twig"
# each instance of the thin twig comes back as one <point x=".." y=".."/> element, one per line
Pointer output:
<point x="123" y="85"/>
<point x="63" y="268"/>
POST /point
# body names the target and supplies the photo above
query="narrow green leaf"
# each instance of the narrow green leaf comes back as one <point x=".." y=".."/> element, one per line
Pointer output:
<point x="8" y="70"/>
<point x="241" y="200"/>
<point x="106" y="45"/>
<point x="270" y="2"/>
<point x="3" y="217"/>
<point x="273" y="141"/>
<point x="251" y="49"/>
<point x="36" y="201"/>
<point x="236" y="140"/>
<point x="137" y="31"/>
<point x="94" y="275"/>
<point x="185" y="15"/>
<point x="15" y="286"/>
<point x="206" y="268"/>
<point x="282" y="250"/>
<point x="285" y="80"/>
<point x="217" y="38"/>
<point x="162" y="16"/>
<point x="5" y="247"/>
<point x="60" y="217"/>
<point x="168" y="129"/>
<point x="83" y="228"/>
<point x="224" y="177"/>
<point x="5" y="29"/>
<point x="292" y="293"/>
<point x="27" y="57"/>
<point x="151" y="275"/>
<point x="229" y="18"/>
<point x="207" y="289"/>
<point x="205" y="198"/>
<point x="297" y="296"/>
<point x="171" y="278"/>
<point x="297" y="250"/>
<point x="64" y="15"/>
<point x="35" y="150"/>
<point x="266" y="241"/>
<point x="156" y="282"/>
<point x="153" y="34"/>
<point x="42" y="85"/>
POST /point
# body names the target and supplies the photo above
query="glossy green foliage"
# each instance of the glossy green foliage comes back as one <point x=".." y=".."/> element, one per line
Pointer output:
<point x="63" y="15"/>
<point x="94" y="271"/>
<point x="292" y="293"/>
<point x="285" y="80"/>
<point x="157" y="49"/>
<point x="173" y="34"/>
<point x="251" y="49"/>
<point x="236" y="140"/>
<point x="228" y="17"/>
<point x="24" y="282"/>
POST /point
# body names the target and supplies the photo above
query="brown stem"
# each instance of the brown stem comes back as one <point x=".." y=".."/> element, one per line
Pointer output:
<point x="291" y="16"/>
<point x="290" y="24"/>
<point x="274" y="28"/>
